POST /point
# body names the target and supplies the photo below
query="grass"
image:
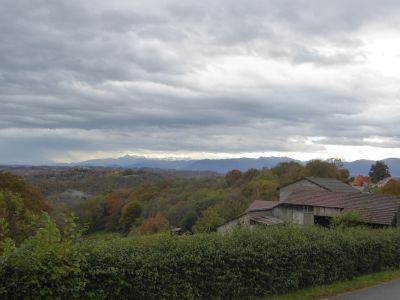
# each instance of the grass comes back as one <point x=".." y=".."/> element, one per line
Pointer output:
<point x="336" y="288"/>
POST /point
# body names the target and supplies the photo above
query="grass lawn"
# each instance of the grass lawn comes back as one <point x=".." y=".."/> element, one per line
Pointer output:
<point x="328" y="290"/>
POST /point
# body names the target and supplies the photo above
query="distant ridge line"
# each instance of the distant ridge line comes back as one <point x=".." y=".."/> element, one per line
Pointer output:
<point x="361" y="166"/>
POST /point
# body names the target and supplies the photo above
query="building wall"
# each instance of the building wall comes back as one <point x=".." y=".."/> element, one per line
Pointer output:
<point x="243" y="220"/>
<point x="302" y="185"/>
<point x="300" y="215"/>
<point x="326" y="211"/>
<point x="303" y="215"/>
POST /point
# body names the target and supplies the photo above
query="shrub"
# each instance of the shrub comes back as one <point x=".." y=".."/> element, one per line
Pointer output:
<point x="45" y="266"/>
<point x="240" y="265"/>
<point x="347" y="219"/>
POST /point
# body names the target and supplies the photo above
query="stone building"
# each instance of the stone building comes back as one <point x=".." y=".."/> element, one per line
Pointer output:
<point x="312" y="201"/>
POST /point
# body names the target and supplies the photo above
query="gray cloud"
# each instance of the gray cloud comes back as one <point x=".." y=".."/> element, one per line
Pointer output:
<point x="209" y="76"/>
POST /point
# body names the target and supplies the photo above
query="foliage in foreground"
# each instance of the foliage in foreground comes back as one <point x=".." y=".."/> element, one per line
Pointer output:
<point x="45" y="266"/>
<point x="239" y="265"/>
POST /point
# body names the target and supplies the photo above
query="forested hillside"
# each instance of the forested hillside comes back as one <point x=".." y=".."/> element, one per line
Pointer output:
<point x="148" y="201"/>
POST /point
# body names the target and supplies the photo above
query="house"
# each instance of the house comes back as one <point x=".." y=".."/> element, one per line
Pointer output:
<point x="318" y="201"/>
<point x="385" y="181"/>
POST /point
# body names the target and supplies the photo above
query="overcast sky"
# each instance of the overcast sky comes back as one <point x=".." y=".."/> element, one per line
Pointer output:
<point x="306" y="79"/>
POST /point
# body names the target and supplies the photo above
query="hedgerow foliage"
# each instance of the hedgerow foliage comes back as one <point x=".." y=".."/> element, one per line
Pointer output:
<point x="47" y="265"/>
<point x="239" y="265"/>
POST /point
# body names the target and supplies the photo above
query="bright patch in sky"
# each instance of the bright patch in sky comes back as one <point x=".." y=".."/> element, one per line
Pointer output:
<point x="199" y="79"/>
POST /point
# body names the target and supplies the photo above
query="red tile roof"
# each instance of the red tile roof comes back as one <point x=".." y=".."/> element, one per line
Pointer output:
<point x="375" y="208"/>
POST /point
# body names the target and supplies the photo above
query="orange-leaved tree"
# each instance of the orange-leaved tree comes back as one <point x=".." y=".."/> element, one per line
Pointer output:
<point x="359" y="180"/>
<point x="153" y="224"/>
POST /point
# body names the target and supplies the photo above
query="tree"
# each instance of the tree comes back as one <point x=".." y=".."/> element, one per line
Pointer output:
<point x="91" y="213"/>
<point x="392" y="188"/>
<point x="209" y="222"/>
<point x="113" y="210"/>
<point x="153" y="224"/>
<point x="129" y="214"/>
<point x="113" y="203"/>
<point x="189" y="220"/>
<point x="288" y="172"/>
<point x="17" y="221"/>
<point x="379" y="171"/>
<point x="326" y="169"/>
<point x="359" y="180"/>
<point x="31" y="197"/>
<point x="232" y="176"/>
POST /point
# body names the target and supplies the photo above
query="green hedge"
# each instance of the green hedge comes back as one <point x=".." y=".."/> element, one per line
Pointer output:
<point x="240" y="265"/>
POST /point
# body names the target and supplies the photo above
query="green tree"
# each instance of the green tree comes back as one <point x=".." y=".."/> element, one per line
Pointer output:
<point x="232" y="177"/>
<point x="189" y="220"/>
<point x="129" y="214"/>
<point x="209" y="222"/>
<point x="16" y="220"/>
<point x="47" y="265"/>
<point x="378" y="171"/>
<point x="326" y="169"/>
<point x="91" y="213"/>
<point x="288" y="172"/>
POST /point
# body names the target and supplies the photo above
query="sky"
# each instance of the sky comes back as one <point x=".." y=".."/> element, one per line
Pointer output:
<point x="199" y="79"/>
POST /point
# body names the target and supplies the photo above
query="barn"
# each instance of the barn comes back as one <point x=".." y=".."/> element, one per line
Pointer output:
<point x="311" y="201"/>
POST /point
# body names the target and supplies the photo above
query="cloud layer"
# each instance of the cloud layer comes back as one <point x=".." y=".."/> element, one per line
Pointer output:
<point x="84" y="77"/>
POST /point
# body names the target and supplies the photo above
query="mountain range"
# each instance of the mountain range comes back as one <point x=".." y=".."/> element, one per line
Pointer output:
<point x="224" y="165"/>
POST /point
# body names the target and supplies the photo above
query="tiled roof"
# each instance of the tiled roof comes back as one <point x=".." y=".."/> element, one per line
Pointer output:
<point x="332" y="184"/>
<point x="375" y="208"/>
<point x="262" y="205"/>
<point x="329" y="184"/>
<point x="385" y="181"/>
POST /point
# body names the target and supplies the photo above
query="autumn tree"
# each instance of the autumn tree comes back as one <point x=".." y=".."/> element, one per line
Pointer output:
<point x="359" y="180"/>
<point x="31" y="196"/>
<point x="153" y="224"/>
<point x="20" y="207"/>
<point x="113" y="210"/>
<point x="378" y="171"/>
<point x="391" y="188"/>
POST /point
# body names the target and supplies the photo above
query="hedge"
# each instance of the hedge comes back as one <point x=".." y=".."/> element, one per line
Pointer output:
<point x="240" y="265"/>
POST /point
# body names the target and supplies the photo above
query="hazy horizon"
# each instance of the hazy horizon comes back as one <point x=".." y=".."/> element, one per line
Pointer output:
<point x="182" y="158"/>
